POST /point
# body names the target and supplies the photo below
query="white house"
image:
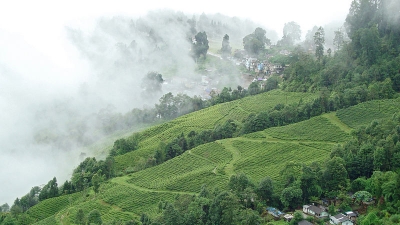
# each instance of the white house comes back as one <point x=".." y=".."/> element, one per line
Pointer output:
<point x="317" y="211"/>
<point x="340" y="219"/>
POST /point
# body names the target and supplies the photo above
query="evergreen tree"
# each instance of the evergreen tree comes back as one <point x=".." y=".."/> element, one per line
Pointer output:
<point x="200" y="47"/>
<point x="226" y="49"/>
<point x="319" y="41"/>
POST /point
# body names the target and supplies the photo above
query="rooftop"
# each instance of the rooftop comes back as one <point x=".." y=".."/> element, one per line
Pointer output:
<point x="304" y="222"/>
<point x="341" y="217"/>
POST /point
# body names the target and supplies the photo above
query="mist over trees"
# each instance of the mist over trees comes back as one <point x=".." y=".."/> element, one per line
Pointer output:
<point x="200" y="45"/>
<point x="255" y="42"/>
<point x="226" y="49"/>
<point x="291" y="34"/>
<point x="124" y="53"/>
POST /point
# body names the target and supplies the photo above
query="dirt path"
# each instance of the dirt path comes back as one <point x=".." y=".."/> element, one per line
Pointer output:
<point x="336" y="121"/>
<point x="229" y="167"/>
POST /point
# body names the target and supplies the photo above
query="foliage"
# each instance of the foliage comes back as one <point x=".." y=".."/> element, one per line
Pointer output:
<point x="319" y="41"/>
<point x="80" y="217"/>
<point x="255" y="42"/>
<point x="151" y="83"/>
<point x="291" y="197"/>
<point x="200" y="46"/>
<point x="226" y="49"/>
<point x="122" y="146"/>
<point x="335" y="176"/>
<point x="94" y="217"/>
<point x="374" y="147"/>
<point x="265" y="189"/>
<point x="291" y="34"/>
<point x="50" y="190"/>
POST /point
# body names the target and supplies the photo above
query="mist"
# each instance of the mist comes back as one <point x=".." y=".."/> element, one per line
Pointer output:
<point x="52" y="109"/>
<point x="59" y="79"/>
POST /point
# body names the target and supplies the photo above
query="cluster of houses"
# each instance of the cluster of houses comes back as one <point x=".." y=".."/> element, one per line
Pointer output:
<point x="347" y="218"/>
<point x="262" y="67"/>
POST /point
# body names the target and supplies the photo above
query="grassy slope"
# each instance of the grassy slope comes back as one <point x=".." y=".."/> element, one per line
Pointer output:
<point x="205" y="119"/>
<point x="258" y="155"/>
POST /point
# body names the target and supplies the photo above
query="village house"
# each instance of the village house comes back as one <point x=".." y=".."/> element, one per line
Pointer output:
<point x="317" y="211"/>
<point x="304" y="222"/>
<point x="351" y="215"/>
<point x="251" y="64"/>
<point x="340" y="219"/>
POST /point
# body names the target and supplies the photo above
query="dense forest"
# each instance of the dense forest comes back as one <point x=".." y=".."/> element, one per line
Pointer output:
<point x="364" y="68"/>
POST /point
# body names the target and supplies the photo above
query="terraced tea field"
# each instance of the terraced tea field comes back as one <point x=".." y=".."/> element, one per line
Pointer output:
<point x="206" y="119"/>
<point x="364" y="113"/>
<point x="317" y="128"/>
<point x="258" y="155"/>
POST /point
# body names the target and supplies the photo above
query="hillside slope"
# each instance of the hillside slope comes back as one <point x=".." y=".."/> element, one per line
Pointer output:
<point x="204" y="119"/>
<point x="258" y="155"/>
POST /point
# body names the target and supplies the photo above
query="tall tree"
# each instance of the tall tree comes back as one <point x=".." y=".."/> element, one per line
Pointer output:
<point x="200" y="45"/>
<point x="291" y="197"/>
<point x="338" y="41"/>
<point x="255" y="42"/>
<point x="335" y="176"/>
<point x="96" y="180"/>
<point x="291" y="33"/>
<point x="265" y="189"/>
<point x="5" y="208"/>
<point x="226" y="49"/>
<point x="151" y="83"/>
<point x="319" y="40"/>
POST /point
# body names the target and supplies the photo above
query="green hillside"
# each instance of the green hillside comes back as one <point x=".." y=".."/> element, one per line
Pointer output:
<point x="124" y="198"/>
<point x="207" y="119"/>
<point x="258" y="155"/>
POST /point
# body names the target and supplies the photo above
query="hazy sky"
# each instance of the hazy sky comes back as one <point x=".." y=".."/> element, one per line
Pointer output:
<point x="38" y="63"/>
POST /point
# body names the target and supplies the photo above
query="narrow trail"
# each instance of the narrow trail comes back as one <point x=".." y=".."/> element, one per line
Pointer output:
<point x="124" y="181"/>
<point x="337" y="122"/>
<point x="229" y="167"/>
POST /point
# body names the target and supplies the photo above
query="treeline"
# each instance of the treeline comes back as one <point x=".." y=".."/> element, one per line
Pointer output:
<point x="240" y="205"/>
<point x="184" y="142"/>
<point x="327" y="101"/>
<point x="371" y="162"/>
<point x="371" y="56"/>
